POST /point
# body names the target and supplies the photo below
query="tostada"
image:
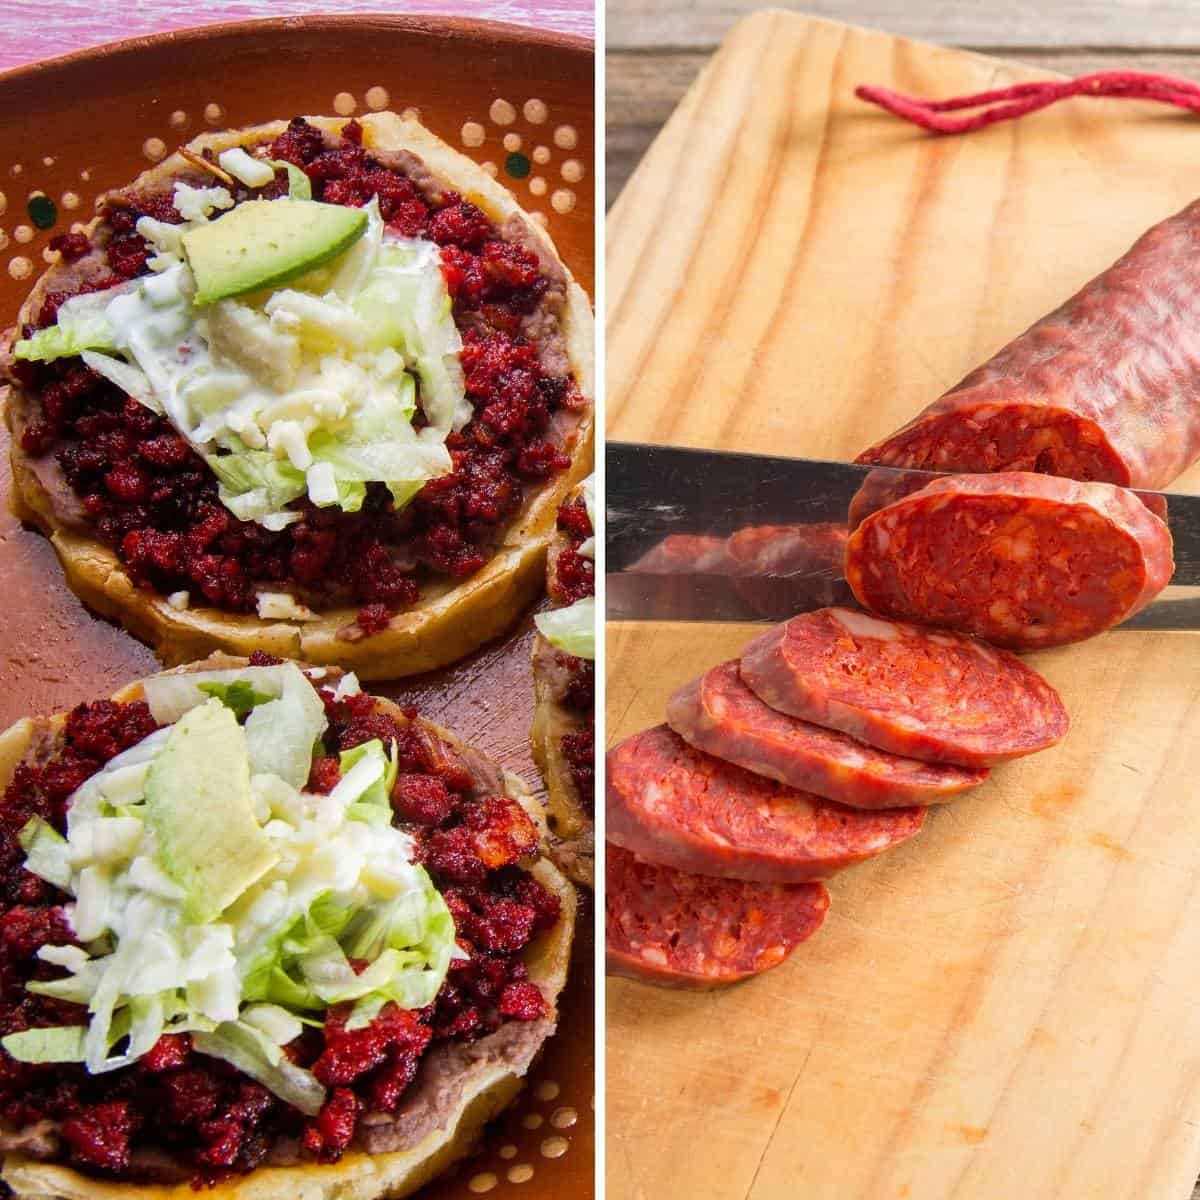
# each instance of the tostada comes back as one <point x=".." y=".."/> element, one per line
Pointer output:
<point x="316" y="388"/>
<point x="265" y="935"/>
<point x="564" y="676"/>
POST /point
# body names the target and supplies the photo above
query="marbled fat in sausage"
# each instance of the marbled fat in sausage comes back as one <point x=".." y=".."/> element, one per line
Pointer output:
<point x="672" y="804"/>
<point x="1107" y="387"/>
<point x="917" y="692"/>
<point x="720" y="715"/>
<point x="1022" y="560"/>
<point x="682" y="930"/>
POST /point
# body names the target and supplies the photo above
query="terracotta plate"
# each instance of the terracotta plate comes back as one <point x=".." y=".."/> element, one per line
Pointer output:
<point x="517" y="98"/>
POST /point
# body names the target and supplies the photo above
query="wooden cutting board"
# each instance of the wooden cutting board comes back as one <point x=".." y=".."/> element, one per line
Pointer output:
<point x="1007" y="1007"/>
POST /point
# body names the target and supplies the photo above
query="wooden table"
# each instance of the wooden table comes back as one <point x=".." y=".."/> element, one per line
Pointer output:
<point x="656" y="47"/>
<point x="30" y="32"/>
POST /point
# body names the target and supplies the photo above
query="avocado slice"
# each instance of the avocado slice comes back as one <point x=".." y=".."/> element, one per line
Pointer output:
<point x="199" y="810"/>
<point x="263" y="243"/>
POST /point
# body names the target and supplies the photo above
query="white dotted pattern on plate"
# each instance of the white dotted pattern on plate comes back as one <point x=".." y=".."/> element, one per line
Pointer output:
<point x="521" y="153"/>
<point x="154" y="149"/>
<point x="497" y="1163"/>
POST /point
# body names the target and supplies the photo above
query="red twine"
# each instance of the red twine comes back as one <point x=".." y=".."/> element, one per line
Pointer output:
<point x="1007" y="104"/>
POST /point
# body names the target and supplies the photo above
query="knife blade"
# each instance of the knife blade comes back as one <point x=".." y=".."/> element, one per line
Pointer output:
<point x="713" y="535"/>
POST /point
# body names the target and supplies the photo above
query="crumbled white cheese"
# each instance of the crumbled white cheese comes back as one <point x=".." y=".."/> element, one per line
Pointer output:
<point x="252" y="172"/>
<point x="162" y="235"/>
<point x="322" y="483"/>
<point x="282" y="606"/>
<point x="165" y="238"/>
<point x="281" y="520"/>
<point x="196" y="203"/>
<point x="290" y="439"/>
<point x="179" y="600"/>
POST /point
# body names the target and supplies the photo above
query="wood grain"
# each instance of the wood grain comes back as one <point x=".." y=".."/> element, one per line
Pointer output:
<point x="643" y="86"/>
<point x="1005" y="1006"/>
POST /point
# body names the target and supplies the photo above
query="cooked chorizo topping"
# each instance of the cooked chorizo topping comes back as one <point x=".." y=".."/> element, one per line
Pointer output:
<point x="573" y="583"/>
<point x="184" y="1106"/>
<point x="329" y="536"/>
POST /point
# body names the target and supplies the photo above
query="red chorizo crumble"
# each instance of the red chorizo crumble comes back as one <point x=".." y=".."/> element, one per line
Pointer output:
<point x="208" y="1117"/>
<point x="150" y="497"/>
<point x="71" y="245"/>
<point x="579" y="749"/>
<point x="574" y="574"/>
<point x="574" y="579"/>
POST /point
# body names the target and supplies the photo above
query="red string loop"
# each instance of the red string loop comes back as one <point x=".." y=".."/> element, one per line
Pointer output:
<point x="1007" y="104"/>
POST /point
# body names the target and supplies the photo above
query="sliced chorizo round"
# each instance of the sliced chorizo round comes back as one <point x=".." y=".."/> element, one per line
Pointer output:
<point x="692" y="931"/>
<point x="673" y="804"/>
<point x="1022" y="560"/>
<point x="922" y="693"/>
<point x="720" y="715"/>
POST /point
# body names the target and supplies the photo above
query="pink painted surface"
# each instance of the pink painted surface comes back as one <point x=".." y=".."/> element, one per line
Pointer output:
<point x="29" y="32"/>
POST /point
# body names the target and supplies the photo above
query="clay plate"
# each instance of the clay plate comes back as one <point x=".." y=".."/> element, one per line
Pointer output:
<point x="517" y="98"/>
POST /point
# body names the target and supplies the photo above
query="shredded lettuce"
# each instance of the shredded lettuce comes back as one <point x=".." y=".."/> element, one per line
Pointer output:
<point x="253" y="1053"/>
<point x="47" y="853"/>
<point x="354" y="267"/>
<point x="405" y="467"/>
<point x="66" y="340"/>
<point x="58" y="1044"/>
<point x="81" y="324"/>
<point x="75" y="989"/>
<point x="588" y="548"/>
<point x="170" y="696"/>
<point x="299" y="187"/>
<point x="572" y="629"/>
<point x="280" y="734"/>
<point x="130" y="379"/>
<point x="365" y="1011"/>
<point x="255" y="485"/>
<point x="337" y="885"/>
<point x="372" y="803"/>
<point x="406" y="301"/>
<point x="277" y="1023"/>
<point x="239" y="695"/>
<point x="408" y="941"/>
<point x="403" y="971"/>
<point x="118" y="782"/>
<point x="329" y="915"/>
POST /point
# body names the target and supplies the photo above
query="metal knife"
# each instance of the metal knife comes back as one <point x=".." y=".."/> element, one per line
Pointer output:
<point x="705" y="535"/>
